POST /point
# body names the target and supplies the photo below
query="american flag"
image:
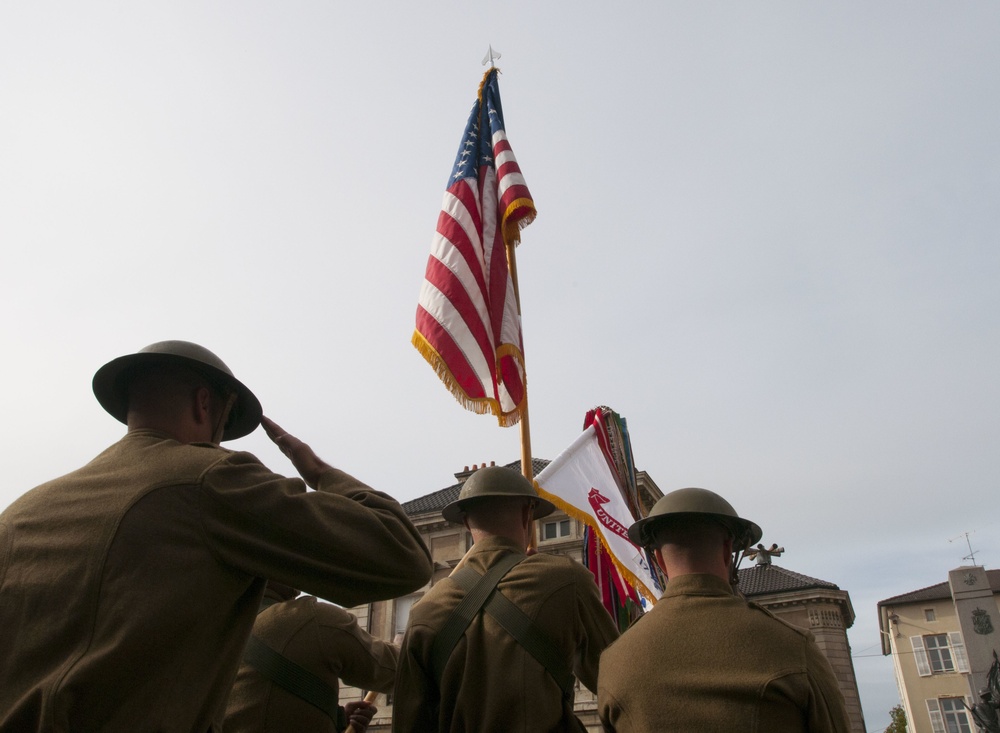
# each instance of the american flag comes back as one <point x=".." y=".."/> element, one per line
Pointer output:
<point x="468" y="325"/>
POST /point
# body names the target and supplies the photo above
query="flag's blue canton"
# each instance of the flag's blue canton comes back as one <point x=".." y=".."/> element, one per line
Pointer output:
<point x="477" y="148"/>
<point x="470" y="151"/>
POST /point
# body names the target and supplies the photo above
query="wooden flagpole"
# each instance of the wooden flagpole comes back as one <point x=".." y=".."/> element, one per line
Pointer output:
<point x="526" y="468"/>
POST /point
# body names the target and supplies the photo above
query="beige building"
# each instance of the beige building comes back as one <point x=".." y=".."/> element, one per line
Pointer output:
<point x="941" y="639"/>
<point x="813" y="604"/>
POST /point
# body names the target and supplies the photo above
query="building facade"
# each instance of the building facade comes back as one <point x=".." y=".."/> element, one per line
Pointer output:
<point x="942" y="639"/>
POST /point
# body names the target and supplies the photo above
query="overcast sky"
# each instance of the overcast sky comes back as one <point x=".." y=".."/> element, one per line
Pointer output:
<point x="767" y="235"/>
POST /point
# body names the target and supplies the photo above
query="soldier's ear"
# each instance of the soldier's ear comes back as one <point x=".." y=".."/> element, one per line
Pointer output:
<point x="659" y="560"/>
<point x="527" y="513"/>
<point x="727" y="549"/>
<point x="201" y="405"/>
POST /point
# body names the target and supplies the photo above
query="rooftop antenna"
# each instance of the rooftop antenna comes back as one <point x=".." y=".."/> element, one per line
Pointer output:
<point x="972" y="553"/>
<point x="490" y="57"/>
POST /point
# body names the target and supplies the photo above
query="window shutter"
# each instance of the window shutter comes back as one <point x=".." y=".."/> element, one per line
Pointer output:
<point x="958" y="646"/>
<point x="934" y="711"/>
<point x="920" y="655"/>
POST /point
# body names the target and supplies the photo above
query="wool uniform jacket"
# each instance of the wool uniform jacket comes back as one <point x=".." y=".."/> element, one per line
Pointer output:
<point x="703" y="659"/>
<point x="321" y="638"/>
<point x="128" y="587"/>
<point x="490" y="683"/>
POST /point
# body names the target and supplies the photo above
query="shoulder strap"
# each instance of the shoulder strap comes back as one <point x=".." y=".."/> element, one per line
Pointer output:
<point x="298" y="680"/>
<point x="536" y="642"/>
<point x="467" y="609"/>
<point x="514" y="621"/>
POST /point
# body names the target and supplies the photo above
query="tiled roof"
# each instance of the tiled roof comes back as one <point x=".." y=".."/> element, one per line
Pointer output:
<point x="432" y="502"/>
<point x="759" y="580"/>
<point x="939" y="591"/>
<point x="438" y="500"/>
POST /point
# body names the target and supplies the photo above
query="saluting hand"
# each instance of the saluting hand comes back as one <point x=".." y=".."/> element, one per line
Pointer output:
<point x="306" y="462"/>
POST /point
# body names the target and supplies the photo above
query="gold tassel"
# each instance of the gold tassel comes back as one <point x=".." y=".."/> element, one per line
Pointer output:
<point x="480" y="406"/>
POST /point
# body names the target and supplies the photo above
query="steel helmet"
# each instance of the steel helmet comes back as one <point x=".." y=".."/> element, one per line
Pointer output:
<point x="112" y="380"/>
<point x="495" y="481"/>
<point x="691" y="502"/>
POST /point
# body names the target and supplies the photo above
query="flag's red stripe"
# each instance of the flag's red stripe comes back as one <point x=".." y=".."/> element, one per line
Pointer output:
<point x="510" y="374"/>
<point x="517" y="191"/>
<point x="452" y="231"/>
<point x="507" y="168"/>
<point x="466" y="193"/>
<point x="460" y="301"/>
<point x="499" y="277"/>
<point x="463" y="373"/>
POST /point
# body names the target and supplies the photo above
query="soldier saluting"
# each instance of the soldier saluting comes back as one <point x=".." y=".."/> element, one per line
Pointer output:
<point x="129" y="586"/>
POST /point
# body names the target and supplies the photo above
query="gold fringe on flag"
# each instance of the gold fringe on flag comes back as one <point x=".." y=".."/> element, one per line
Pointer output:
<point x="482" y="84"/>
<point x="511" y="228"/>
<point x="478" y="405"/>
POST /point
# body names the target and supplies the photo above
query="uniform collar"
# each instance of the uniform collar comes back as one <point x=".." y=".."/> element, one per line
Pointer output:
<point x="152" y="435"/>
<point x="697" y="584"/>
<point x="490" y="546"/>
<point x="494" y="543"/>
<point x="145" y="433"/>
